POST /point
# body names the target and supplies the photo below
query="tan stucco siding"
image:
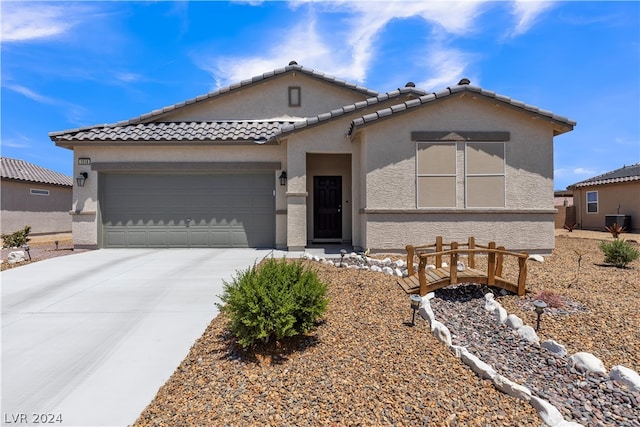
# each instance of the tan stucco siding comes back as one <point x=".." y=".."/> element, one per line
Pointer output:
<point x="625" y="194"/>
<point x="526" y="231"/>
<point x="44" y="213"/>
<point x="270" y="99"/>
<point x="391" y="163"/>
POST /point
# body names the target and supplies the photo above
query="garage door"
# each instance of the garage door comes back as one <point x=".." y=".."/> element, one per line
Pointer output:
<point x="188" y="210"/>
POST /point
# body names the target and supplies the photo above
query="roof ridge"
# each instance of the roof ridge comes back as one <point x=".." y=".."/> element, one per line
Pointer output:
<point x="450" y="90"/>
<point x="293" y="66"/>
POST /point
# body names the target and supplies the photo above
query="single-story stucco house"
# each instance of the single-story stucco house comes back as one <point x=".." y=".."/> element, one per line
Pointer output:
<point x="295" y="157"/>
<point x="613" y="197"/>
<point x="35" y="196"/>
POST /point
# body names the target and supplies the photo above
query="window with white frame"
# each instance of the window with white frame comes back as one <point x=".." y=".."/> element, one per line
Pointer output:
<point x="436" y="174"/>
<point x="39" y="192"/>
<point x="485" y="174"/>
<point x="592" y="202"/>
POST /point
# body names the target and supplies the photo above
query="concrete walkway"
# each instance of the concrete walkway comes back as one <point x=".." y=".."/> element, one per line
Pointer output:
<point x="89" y="338"/>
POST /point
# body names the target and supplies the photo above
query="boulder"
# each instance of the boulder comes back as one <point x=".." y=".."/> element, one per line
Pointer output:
<point x="549" y="413"/>
<point x="536" y="257"/>
<point x="587" y="362"/>
<point x="500" y="313"/>
<point x="507" y="386"/>
<point x="514" y="322"/>
<point x="398" y="272"/>
<point x="554" y="347"/>
<point x="441" y="332"/>
<point x="482" y="369"/>
<point x="400" y="263"/>
<point x="528" y="333"/>
<point x="387" y="270"/>
<point x="460" y="266"/>
<point x="376" y="268"/>
<point x="626" y="376"/>
<point x="15" y="257"/>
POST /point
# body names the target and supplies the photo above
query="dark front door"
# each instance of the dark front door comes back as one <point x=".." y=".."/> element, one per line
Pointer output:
<point x="327" y="206"/>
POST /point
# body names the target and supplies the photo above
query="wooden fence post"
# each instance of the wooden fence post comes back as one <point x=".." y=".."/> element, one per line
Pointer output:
<point x="438" y="249"/>
<point x="491" y="264"/>
<point x="453" y="264"/>
<point x="472" y="255"/>
<point x="410" y="254"/>
<point x="500" y="261"/>
<point x="422" y="275"/>
<point x="522" y="274"/>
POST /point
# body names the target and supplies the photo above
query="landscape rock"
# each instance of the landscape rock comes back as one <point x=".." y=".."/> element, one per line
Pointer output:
<point x="500" y="313"/>
<point x="536" y="257"/>
<point x="441" y="332"/>
<point x="387" y="270"/>
<point x="587" y="362"/>
<point x="507" y="386"/>
<point x="514" y="322"/>
<point x="528" y="333"/>
<point x="482" y="369"/>
<point x="626" y="376"/>
<point x="554" y="347"/>
<point x="15" y="257"/>
<point x="549" y="413"/>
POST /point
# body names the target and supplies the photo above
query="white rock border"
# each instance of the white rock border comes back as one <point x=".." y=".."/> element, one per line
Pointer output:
<point x="582" y="361"/>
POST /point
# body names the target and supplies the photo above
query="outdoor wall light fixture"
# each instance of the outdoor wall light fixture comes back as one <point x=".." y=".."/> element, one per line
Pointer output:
<point x="415" y="304"/>
<point x="539" y="307"/>
<point x="81" y="178"/>
<point x="283" y="178"/>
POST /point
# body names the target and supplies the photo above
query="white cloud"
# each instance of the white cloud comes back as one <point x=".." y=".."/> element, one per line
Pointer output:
<point x="22" y="21"/>
<point x="349" y="52"/>
<point x="527" y="13"/>
<point x="584" y="171"/>
<point x="19" y="141"/>
<point x="446" y="66"/>
<point x="25" y="91"/>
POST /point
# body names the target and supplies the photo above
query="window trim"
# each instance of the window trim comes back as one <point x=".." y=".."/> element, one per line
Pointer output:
<point x="38" y="192"/>
<point x="467" y="175"/>
<point x="587" y="202"/>
<point x="295" y="92"/>
<point x="453" y="175"/>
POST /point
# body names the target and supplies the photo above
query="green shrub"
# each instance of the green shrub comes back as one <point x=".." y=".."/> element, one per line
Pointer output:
<point x="619" y="252"/>
<point x="277" y="299"/>
<point x="17" y="239"/>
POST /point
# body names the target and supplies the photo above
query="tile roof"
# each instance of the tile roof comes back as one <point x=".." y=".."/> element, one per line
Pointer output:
<point x="230" y="130"/>
<point x="624" y="174"/>
<point x="451" y="90"/>
<point x="292" y="67"/>
<point x="351" y="108"/>
<point x="19" y="170"/>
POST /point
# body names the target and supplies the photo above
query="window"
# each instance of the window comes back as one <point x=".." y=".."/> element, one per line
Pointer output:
<point x="485" y="175"/>
<point x="592" y="202"/>
<point x="38" y="192"/>
<point x="294" y="96"/>
<point x="436" y="174"/>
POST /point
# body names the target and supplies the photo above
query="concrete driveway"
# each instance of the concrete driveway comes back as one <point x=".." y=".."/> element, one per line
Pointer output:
<point x="87" y="339"/>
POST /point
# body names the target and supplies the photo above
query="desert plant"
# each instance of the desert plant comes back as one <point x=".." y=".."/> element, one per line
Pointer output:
<point x="570" y="227"/>
<point x="276" y="299"/>
<point x="619" y="252"/>
<point x="16" y="239"/>
<point x="615" y="230"/>
<point x="550" y="298"/>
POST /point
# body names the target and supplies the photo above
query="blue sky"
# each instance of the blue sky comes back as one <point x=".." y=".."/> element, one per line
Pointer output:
<point x="73" y="64"/>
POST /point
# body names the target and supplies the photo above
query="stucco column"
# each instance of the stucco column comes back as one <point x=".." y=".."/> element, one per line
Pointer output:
<point x="297" y="202"/>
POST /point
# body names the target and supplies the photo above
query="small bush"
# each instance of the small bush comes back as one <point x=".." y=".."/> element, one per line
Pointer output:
<point x="17" y="239"/>
<point x="277" y="299"/>
<point x="619" y="252"/>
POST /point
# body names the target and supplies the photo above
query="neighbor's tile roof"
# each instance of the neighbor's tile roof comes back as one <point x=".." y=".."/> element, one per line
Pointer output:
<point x="624" y="174"/>
<point x="451" y="91"/>
<point x="231" y="130"/>
<point x="20" y="170"/>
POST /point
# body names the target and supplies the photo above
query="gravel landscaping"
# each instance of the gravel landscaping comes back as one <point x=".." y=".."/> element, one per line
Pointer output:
<point x="364" y="364"/>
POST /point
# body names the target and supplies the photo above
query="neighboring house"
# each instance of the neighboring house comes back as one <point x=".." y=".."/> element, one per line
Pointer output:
<point x="35" y="196"/>
<point x="607" y="198"/>
<point x="295" y="157"/>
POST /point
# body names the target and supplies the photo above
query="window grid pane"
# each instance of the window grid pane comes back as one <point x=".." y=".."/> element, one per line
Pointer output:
<point x="485" y="179"/>
<point x="436" y="174"/>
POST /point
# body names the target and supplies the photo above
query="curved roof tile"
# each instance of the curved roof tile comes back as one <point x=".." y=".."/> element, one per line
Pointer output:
<point x="20" y="170"/>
